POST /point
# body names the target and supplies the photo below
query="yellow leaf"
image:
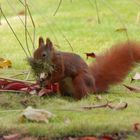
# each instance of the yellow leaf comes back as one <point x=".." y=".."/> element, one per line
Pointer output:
<point x="5" y="63"/>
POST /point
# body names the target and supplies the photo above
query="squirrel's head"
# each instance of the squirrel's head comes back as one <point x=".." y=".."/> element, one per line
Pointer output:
<point x="44" y="51"/>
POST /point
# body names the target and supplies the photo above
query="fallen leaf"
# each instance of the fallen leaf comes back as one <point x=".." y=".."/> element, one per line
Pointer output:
<point x="131" y="88"/>
<point x="5" y="63"/>
<point x="136" y="126"/>
<point x="119" y="106"/>
<point x="92" y="55"/>
<point x="136" y="77"/>
<point x="38" y="115"/>
<point x="21" y="13"/>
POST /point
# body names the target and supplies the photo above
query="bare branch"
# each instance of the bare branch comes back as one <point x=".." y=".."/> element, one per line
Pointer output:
<point x="44" y="18"/>
<point x="14" y="32"/>
<point x="26" y="37"/>
<point x="17" y="80"/>
<point x="64" y="36"/>
<point x="60" y="1"/>
<point x="33" y="23"/>
<point x="97" y="11"/>
<point x="21" y="21"/>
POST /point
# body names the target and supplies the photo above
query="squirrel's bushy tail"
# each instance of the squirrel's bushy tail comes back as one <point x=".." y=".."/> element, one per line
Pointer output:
<point x="112" y="67"/>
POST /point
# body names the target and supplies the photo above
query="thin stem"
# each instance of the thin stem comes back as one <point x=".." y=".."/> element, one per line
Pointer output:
<point x="33" y="23"/>
<point x="97" y="11"/>
<point x="21" y="21"/>
<point x="49" y="27"/>
<point x="13" y="32"/>
<point x="26" y="37"/>
<point x="120" y="19"/>
<point x="57" y="8"/>
<point x="64" y="36"/>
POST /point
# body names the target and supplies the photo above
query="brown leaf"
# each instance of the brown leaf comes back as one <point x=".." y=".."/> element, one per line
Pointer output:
<point x="131" y="88"/>
<point x="21" y="13"/>
<point x="136" y="126"/>
<point x="92" y="55"/>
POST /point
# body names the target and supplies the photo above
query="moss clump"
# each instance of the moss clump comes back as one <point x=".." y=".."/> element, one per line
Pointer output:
<point x="39" y="66"/>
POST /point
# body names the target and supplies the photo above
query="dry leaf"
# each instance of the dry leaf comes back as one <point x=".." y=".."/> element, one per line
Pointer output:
<point x="136" y="126"/>
<point x="21" y="13"/>
<point x="38" y="115"/>
<point x="92" y="55"/>
<point x="119" y="106"/>
<point x="5" y="63"/>
<point x="131" y="88"/>
<point x="136" y="77"/>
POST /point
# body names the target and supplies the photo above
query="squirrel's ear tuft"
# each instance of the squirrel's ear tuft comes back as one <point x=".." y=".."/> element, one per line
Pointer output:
<point x="49" y="43"/>
<point x="40" y="42"/>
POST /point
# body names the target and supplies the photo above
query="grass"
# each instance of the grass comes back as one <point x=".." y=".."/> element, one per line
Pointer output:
<point x="78" y="21"/>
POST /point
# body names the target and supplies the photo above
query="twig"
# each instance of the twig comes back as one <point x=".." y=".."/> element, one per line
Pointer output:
<point x="26" y="37"/>
<point x="22" y="3"/>
<point x="17" y="91"/>
<point x="60" y="1"/>
<point x="6" y="111"/>
<point x="23" y="73"/>
<point x="64" y="37"/>
<point x="97" y="11"/>
<point x="33" y="23"/>
<point x="28" y="74"/>
<point x="95" y="106"/>
<point x="16" y="80"/>
<point x="14" y="32"/>
<point x="21" y="21"/>
<point x="43" y="17"/>
<point x="108" y="104"/>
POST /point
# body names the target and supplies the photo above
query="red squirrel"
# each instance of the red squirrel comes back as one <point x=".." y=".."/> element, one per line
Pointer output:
<point x="76" y="78"/>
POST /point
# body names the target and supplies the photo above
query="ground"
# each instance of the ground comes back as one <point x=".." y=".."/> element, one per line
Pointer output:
<point x="77" y="22"/>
